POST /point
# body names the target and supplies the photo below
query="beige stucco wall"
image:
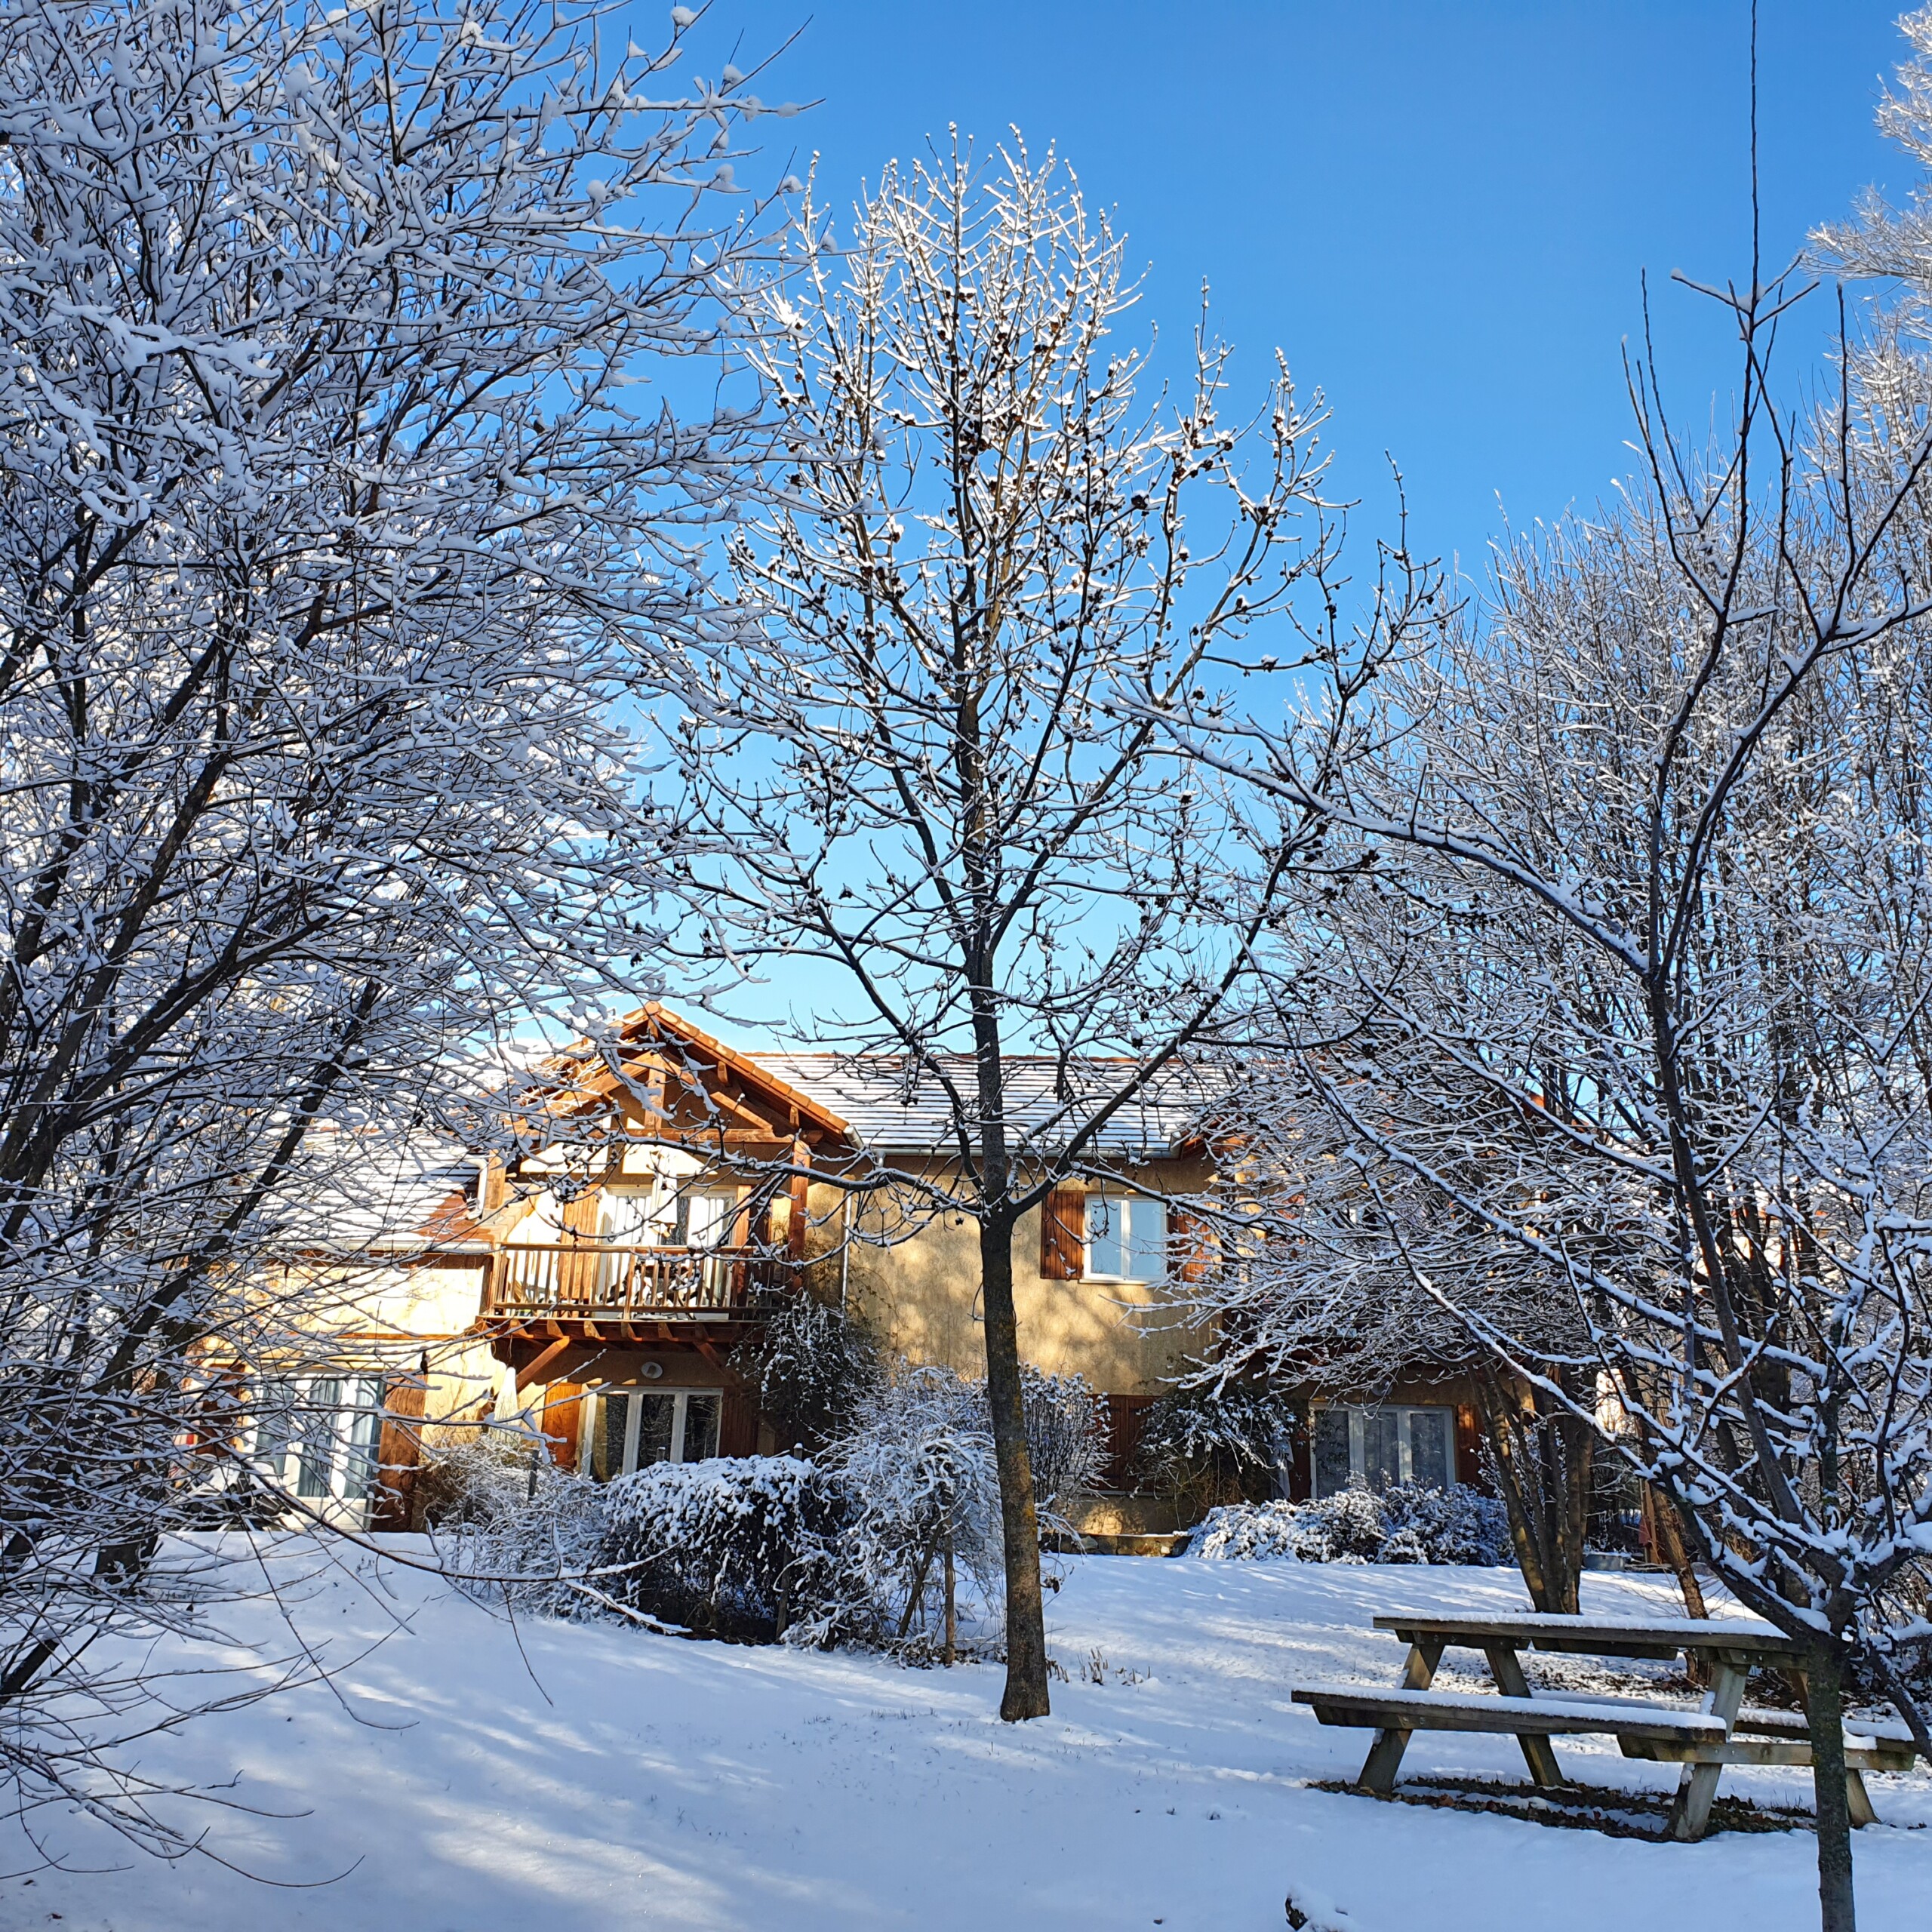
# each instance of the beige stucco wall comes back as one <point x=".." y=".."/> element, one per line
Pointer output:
<point x="921" y="1293"/>
<point x="919" y="1289"/>
<point x="386" y="1316"/>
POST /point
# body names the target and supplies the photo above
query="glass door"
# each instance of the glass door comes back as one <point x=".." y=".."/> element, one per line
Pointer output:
<point x="634" y="1427"/>
<point x="1376" y="1448"/>
<point x="624" y="1223"/>
<point x="705" y="1223"/>
<point x="316" y="1436"/>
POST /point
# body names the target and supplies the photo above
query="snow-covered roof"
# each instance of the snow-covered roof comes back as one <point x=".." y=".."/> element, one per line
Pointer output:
<point x="392" y="1196"/>
<point x="891" y="1104"/>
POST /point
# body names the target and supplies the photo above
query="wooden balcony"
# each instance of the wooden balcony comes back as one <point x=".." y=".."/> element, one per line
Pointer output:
<point x="625" y="1294"/>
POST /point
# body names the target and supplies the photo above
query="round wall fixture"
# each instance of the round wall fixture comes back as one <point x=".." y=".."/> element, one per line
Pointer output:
<point x="651" y="1371"/>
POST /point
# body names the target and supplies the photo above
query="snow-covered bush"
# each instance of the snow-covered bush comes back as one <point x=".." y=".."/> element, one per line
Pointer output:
<point x="1066" y="1425"/>
<point x="473" y="1475"/>
<point x="743" y="1546"/>
<point x="917" y="1467"/>
<point x="810" y="1369"/>
<point x="1214" y="1443"/>
<point x="1406" y="1524"/>
<point x="1347" y="1527"/>
<point x="1458" y="1525"/>
<point x="511" y="1526"/>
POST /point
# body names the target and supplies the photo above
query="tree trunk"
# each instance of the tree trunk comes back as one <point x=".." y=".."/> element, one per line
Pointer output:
<point x="1541" y="1467"/>
<point x="951" y="1652"/>
<point x="1673" y="1547"/>
<point x="1826" y="1711"/>
<point x="1567" y="1451"/>
<point x="1668" y="1533"/>
<point x="1523" y="1539"/>
<point x="1026" y="1695"/>
<point x="915" y="1593"/>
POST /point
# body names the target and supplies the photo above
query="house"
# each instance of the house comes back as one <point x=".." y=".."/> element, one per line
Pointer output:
<point x="608" y="1283"/>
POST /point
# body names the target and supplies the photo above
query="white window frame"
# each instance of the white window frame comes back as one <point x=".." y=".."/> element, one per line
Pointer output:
<point x="628" y="1216"/>
<point x="1357" y="1416"/>
<point x="593" y="1421"/>
<point x="1127" y="1204"/>
<point x="350" y="1431"/>
<point x="718" y="1224"/>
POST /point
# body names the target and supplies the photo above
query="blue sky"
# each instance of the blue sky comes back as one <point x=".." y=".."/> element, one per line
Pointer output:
<point x="1439" y="211"/>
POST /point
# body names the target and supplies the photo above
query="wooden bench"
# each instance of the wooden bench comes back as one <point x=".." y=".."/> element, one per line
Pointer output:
<point x="1396" y="1713"/>
<point x="1702" y="1741"/>
<point x="1784" y="1737"/>
<point x="1755" y="1645"/>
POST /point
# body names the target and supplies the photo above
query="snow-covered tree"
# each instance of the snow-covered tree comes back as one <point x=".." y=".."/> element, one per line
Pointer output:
<point x="335" y="485"/>
<point x="935" y="770"/>
<point x="1638" y="990"/>
<point x="1319" y="1281"/>
<point x="916" y="1462"/>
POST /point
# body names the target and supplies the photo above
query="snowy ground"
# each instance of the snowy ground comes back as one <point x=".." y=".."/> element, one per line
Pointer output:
<point x="623" y="1779"/>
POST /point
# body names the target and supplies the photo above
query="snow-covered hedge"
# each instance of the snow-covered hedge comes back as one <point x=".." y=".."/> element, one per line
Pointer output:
<point x="1404" y="1524"/>
<point x="737" y="1546"/>
<point x="888" y="1535"/>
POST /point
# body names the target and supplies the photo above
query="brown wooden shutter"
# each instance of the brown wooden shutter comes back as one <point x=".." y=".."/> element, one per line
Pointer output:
<point x="563" y="1410"/>
<point x="1301" y="1462"/>
<point x="1469" y="1466"/>
<point x="1063" y="1233"/>
<point x="1190" y="1246"/>
<point x="398" y="1452"/>
<point x="1127" y="1416"/>
<point x="577" y="1271"/>
<point x="737" y="1424"/>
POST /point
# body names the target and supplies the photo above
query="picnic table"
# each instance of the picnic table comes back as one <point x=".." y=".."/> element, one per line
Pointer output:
<point x="1724" y="1732"/>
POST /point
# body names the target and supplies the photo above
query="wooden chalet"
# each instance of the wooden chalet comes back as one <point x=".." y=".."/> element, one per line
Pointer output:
<point x="637" y="1246"/>
<point x="605" y="1285"/>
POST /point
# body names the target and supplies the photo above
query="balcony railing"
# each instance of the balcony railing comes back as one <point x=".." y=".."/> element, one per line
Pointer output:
<point x="584" y="1281"/>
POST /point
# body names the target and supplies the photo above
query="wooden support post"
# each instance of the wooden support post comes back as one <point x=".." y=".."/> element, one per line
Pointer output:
<point x="1697" y="1785"/>
<point x="1538" y="1752"/>
<point x="399" y="1450"/>
<point x="531" y="1371"/>
<point x="1385" y="1754"/>
<point x="798" y="1195"/>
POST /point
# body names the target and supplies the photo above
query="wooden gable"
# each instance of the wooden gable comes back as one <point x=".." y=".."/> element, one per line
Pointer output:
<point x="673" y="1082"/>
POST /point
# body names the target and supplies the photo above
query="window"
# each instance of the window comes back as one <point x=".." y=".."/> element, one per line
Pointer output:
<point x="317" y="1435"/>
<point x="1127" y="1239"/>
<point x="630" y="1428"/>
<point x="705" y="1220"/>
<point x="1373" y="1448"/>
<point x="624" y="1219"/>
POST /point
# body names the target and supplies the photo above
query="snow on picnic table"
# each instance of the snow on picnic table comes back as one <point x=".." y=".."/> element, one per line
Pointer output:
<point x="653" y="1783"/>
